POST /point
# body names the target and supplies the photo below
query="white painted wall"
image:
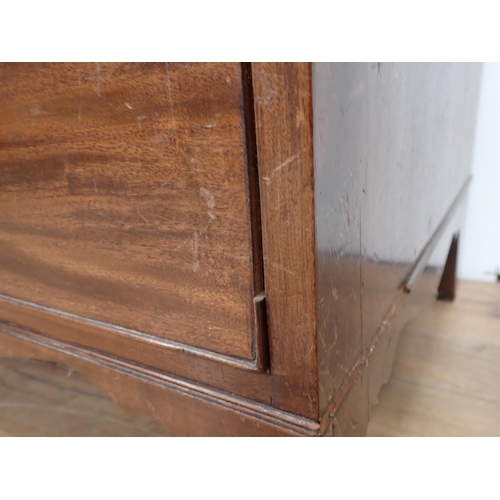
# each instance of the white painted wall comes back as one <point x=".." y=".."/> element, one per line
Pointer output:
<point x="479" y="253"/>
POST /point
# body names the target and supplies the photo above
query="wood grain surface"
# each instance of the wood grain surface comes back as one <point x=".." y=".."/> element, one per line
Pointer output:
<point x="143" y="208"/>
<point x="182" y="407"/>
<point x="283" y="103"/>
<point x="223" y="373"/>
<point x="46" y="399"/>
<point x="446" y="370"/>
<point x="125" y="198"/>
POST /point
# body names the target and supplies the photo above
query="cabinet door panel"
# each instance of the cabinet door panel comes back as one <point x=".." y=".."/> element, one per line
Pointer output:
<point x="125" y="199"/>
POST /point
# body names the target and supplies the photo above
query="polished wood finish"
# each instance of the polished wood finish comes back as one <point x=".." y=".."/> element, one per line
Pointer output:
<point x="283" y="111"/>
<point x="446" y="370"/>
<point x="184" y="408"/>
<point x="389" y="185"/>
<point x="229" y="242"/>
<point x="224" y="376"/>
<point x="126" y="200"/>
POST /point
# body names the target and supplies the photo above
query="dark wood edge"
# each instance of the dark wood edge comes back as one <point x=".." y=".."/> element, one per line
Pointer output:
<point x="447" y="285"/>
<point x="260" y="327"/>
<point x="260" y="338"/>
<point x="292" y="423"/>
<point x="405" y="288"/>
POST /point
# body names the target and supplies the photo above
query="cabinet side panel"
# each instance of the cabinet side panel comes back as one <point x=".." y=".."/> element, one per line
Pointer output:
<point x="393" y="146"/>
<point x="340" y="141"/>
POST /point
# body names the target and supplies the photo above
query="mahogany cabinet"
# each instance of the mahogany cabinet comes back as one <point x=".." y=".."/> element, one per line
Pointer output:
<point x="229" y="247"/>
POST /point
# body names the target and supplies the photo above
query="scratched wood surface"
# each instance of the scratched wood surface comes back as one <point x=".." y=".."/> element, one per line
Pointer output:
<point x="392" y="149"/>
<point x="283" y="104"/>
<point x="124" y="197"/>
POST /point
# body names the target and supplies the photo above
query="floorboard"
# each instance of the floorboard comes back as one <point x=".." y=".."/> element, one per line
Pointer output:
<point x="446" y="375"/>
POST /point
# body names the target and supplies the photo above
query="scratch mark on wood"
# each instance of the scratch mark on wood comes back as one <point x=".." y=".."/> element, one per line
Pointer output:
<point x="152" y="410"/>
<point x="194" y="241"/>
<point x="270" y="90"/>
<point x="281" y="268"/>
<point x="174" y="125"/>
<point x="139" y="120"/>
<point x="35" y="109"/>
<point x="195" y="252"/>
<point x="287" y="162"/>
<point x="187" y="240"/>
<point x="98" y="89"/>
<point x="208" y="197"/>
<point x="336" y="337"/>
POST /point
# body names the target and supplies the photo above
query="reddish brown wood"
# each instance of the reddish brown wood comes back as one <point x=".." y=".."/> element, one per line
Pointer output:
<point x="127" y="198"/>
<point x="209" y="371"/>
<point x="182" y="407"/>
<point x="261" y="341"/>
<point x="170" y="232"/>
<point x="285" y="154"/>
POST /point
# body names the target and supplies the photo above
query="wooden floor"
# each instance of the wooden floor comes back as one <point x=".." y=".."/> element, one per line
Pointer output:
<point x="446" y="375"/>
<point x="445" y="382"/>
